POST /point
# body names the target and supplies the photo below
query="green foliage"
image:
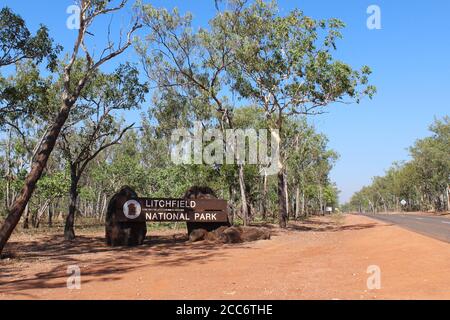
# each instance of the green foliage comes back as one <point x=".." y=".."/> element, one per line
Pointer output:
<point x="422" y="182"/>
<point x="25" y="97"/>
<point x="17" y="43"/>
<point x="286" y="63"/>
<point x="54" y="185"/>
<point x="251" y="67"/>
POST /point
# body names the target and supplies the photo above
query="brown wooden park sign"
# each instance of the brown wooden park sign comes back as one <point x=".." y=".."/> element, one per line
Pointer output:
<point x="206" y="217"/>
<point x="128" y="214"/>
<point x="174" y="210"/>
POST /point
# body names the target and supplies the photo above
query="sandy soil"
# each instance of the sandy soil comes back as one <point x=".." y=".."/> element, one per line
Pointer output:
<point x="325" y="258"/>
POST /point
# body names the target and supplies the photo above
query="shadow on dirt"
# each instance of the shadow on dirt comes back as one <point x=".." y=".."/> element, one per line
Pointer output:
<point x="98" y="262"/>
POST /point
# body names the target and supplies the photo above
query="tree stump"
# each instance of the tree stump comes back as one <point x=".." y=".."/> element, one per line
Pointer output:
<point x="119" y="233"/>
<point x="202" y="193"/>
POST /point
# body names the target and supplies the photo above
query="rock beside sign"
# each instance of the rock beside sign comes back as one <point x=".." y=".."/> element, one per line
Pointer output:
<point x="120" y="233"/>
<point x="230" y="234"/>
<point x="197" y="192"/>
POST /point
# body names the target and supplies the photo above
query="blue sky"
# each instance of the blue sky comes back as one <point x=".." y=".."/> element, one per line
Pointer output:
<point x="409" y="57"/>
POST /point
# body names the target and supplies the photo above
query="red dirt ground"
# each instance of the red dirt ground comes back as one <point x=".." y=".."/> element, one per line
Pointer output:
<point x="324" y="258"/>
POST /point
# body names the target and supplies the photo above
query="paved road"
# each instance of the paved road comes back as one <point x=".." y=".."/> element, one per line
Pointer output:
<point x="435" y="227"/>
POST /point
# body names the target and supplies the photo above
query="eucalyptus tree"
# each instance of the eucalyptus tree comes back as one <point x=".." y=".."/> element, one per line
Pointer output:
<point x="423" y="182"/>
<point x="17" y="42"/>
<point x="121" y="164"/>
<point x="256" y="178"/>
<point x="22" y="93"/>
<point x="52" y="186"/>
<point x="29" y="94"/>
<point x="92" y="128"/>
<point x="193" y="65"/>
<point x="309" y="160"/>
<point x="90" y="10"/>
<point x="325" y="162"/>
<point x="285" y="64"/>
<point x="18" y="45"/>
<point x="431" y="159"/>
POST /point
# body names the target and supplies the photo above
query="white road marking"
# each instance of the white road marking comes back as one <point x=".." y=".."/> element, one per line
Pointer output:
<point x="419" y="218"/>
<point x="446" y="222"/>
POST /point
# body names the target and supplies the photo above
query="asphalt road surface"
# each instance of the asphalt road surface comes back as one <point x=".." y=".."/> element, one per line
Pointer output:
<point x="435" y="227"/>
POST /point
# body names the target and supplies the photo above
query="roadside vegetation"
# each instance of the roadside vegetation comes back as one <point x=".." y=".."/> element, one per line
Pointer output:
<point x="68" y="143"/>
<point x="423" y="183"/>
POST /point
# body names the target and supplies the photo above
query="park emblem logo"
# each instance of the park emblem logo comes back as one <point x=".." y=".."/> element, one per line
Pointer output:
<point x="132" y="209"/>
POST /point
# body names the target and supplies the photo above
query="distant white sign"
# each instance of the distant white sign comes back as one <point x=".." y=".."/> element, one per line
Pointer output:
<point x="329" y="209"/>
<point x="403" y="202"/>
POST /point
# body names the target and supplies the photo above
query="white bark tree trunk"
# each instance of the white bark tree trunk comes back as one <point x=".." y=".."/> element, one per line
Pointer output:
<point x="243" y="196"/>
<point x="297" y="201"/>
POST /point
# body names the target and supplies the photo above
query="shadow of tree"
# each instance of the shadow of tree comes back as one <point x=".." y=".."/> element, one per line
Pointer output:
<point x="99" y="262"/>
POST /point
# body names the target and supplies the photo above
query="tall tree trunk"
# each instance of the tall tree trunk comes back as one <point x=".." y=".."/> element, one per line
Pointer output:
<point x="320" y="200"/>
<point x="51" y="211"/>
<point x="34" y="218"/>
<point x="39" y="164"/>
<point x="297" y="201"/>
<point x="103" y="207"/>
<point x="69" y="231"/>
<point x="233" y="201"/>
<point x="8" y="171"/>
<point x="41" y="212"/>
<point x="448" y="198"/>
<point x="264" y="198"/>
<point x="243" y="196"/>
<point x="282" y="210"/>
<point x="26" y="221"/>
<point x="286" y="194"/>
<point x="98" y="204"/>
<point x="303" y="212"/>
<point x="384" y="205"/>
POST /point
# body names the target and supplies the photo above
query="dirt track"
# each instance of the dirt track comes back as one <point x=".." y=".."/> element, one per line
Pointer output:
<point x="320" y="259"/>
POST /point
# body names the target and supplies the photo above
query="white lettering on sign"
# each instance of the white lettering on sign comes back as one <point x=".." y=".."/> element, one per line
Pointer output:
<point x="205" y="216"/>
<point x="169" y="203"/>
<point x="161" y="216"/>
<point x="155" y="216"/>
